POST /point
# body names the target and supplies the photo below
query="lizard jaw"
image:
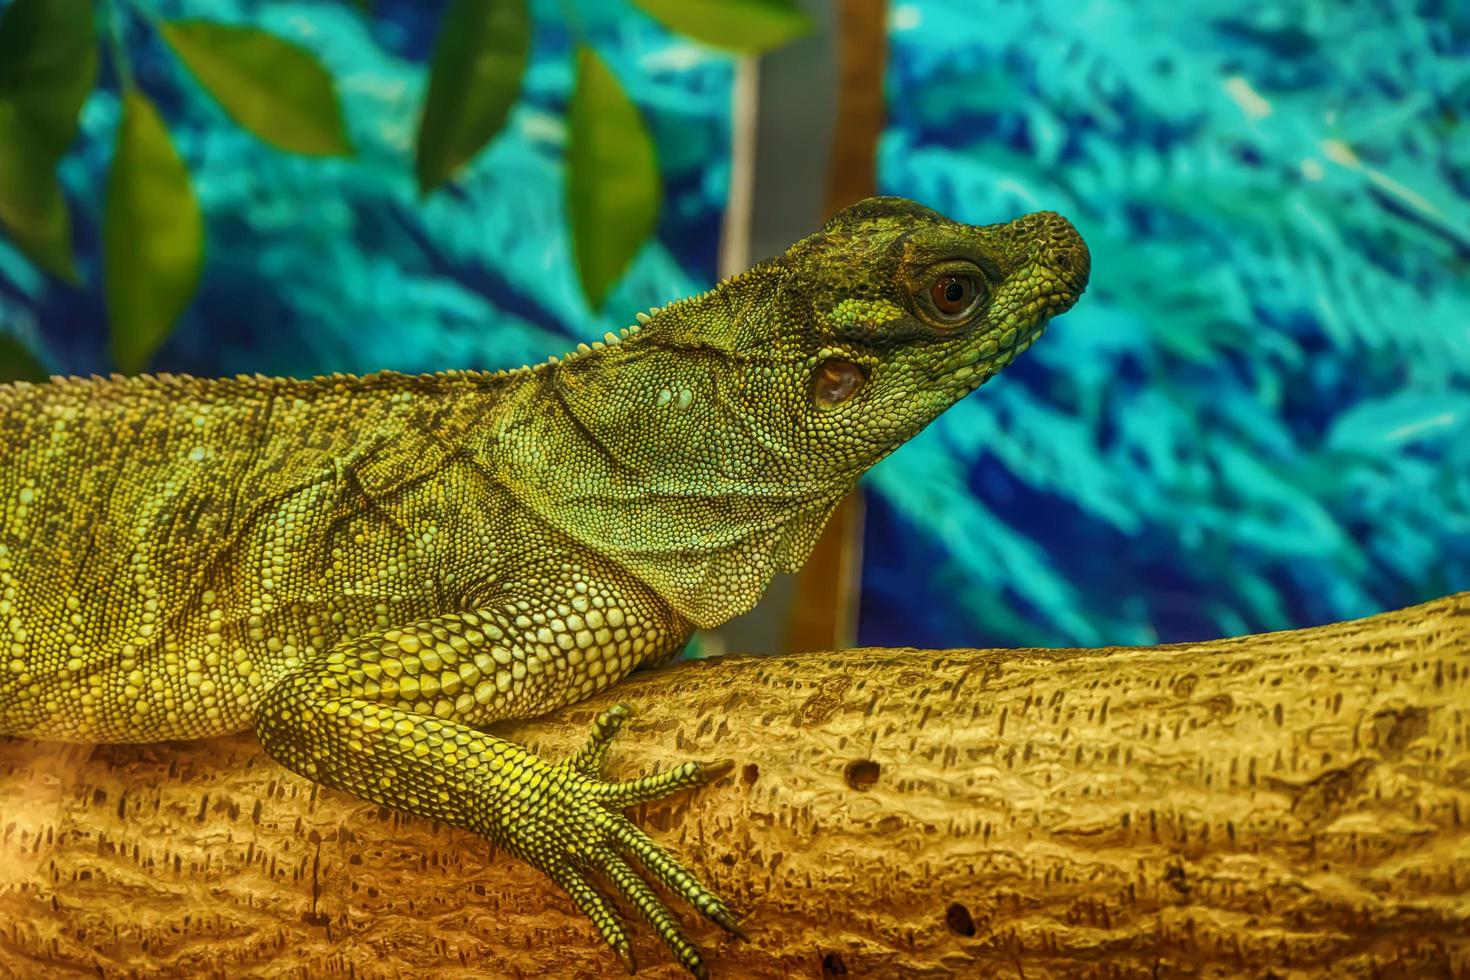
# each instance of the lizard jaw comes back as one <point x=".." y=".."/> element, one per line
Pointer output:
<point x="986" y="361"/>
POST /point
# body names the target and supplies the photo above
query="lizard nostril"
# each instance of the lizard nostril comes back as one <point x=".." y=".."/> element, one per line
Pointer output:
<point x="1059" y="247"/>
<point x="1073" y="263"/>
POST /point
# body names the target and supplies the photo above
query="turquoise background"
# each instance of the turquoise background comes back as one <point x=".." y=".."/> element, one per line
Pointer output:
<point x="1258" y="417"/>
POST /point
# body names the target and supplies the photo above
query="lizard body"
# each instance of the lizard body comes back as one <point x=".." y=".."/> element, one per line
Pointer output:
<point x="368" y="571"/>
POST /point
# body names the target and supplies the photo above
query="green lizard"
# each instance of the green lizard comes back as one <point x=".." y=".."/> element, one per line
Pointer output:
<point x="369" y="571"/>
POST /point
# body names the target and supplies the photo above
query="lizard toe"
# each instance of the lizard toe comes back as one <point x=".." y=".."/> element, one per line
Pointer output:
<point x="589" y="759"/>
<point x="659" y="785"/>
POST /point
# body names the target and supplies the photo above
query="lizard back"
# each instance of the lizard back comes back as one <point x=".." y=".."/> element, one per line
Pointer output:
<point x="156" y="518"/>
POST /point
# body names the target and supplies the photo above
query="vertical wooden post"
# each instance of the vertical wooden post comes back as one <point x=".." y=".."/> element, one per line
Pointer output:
<point x="824" y="611"/>
<point x="861" y="112"/>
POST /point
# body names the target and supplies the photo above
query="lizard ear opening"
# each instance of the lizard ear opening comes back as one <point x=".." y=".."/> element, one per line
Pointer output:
<point x="836" y="382"/>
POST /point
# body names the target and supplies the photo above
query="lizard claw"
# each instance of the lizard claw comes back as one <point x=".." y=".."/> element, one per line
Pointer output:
<point x="625" y="953"/>
<point x="726" y="921"/>
<point x="710" y="771"/>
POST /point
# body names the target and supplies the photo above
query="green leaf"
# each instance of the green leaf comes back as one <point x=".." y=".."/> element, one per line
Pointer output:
<point x="270" y="86"/>
<point x="152" y="236"/>
<point x="17" y="363"/>
<point x="32" y="208"/>
<point x="613" y="184"/>
<point x="479" y="58"/>
<point x="48" y="62"/>
<point x="739" y="25"/>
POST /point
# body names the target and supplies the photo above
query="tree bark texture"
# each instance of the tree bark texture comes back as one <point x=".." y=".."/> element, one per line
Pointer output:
<point x="1282" y="805"/>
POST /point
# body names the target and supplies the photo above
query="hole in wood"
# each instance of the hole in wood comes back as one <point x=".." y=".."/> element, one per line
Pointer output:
<point x="861" y="774"/>
<point x="832" y="966"/>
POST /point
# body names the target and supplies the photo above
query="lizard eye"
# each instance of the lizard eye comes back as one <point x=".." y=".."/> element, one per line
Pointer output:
<point x="954" y="296"/>
<point x="837" y="382"/>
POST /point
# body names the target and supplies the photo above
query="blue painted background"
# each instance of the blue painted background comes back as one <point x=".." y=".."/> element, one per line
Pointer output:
<point x="1258" y="417"/>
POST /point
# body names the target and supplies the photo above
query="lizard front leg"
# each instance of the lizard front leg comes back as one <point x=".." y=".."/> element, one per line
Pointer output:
<point x="392" y="717"/>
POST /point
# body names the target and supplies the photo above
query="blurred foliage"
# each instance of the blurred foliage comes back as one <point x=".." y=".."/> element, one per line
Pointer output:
<point x="1259" y="415"/>
<point x="48" y="61"/>
<point x="479" y="58"/>
<point x="275" y="89"/>
<point x="750" y="26"/>
<point x="279" y="91"/>
<point x="153" y="232"/>
<point x="18" y="363"/>
<point x="612" y="176"/>
<point x="153" y="235"/>
<point x="331" y="264"/>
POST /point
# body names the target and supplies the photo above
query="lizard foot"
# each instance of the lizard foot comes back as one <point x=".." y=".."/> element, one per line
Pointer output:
<point x="570" y="825"/>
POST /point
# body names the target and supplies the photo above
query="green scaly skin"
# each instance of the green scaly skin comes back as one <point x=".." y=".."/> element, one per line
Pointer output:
<point x="369" y="571"/>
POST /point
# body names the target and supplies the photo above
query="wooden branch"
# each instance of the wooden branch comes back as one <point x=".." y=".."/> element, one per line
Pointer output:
<point x="1281" y="805"/>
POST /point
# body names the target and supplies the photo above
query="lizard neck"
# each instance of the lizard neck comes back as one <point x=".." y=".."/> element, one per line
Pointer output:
<point x="644" y="451"/>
